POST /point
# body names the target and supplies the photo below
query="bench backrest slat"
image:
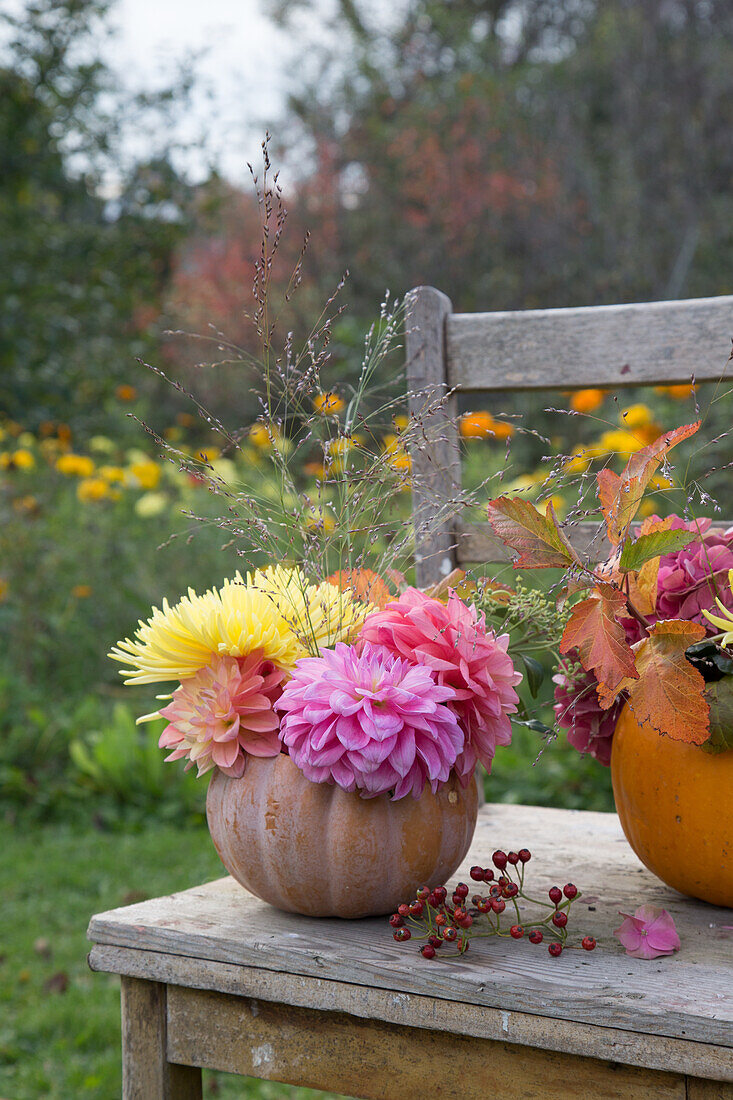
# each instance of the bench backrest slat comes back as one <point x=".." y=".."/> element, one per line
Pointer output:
<point x="649" y="343"/>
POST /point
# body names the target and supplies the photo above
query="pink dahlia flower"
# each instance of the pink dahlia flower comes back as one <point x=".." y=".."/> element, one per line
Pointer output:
<point x="577" y="710"/>
<point x="651" y="932"/>
<point x="369" y="722"/>
<point x="452" y="642"/>
<point x="689" y="580"/>
<point x="223" y="713"/>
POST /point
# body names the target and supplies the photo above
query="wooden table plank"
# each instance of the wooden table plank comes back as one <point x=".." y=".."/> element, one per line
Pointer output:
<point x="411" y="1010"/>
<point x="377" y="1061"/>
<point x="685" y="997"/>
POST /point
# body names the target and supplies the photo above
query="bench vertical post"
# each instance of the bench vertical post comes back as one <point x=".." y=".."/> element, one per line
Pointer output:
<point x="434" y="449"/>
<point x="146" y="1072"/>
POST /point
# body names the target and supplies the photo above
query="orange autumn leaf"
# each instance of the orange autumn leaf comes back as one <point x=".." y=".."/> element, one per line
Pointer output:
<point x="620" y="496"/>
<point x="365" y="584"/>
<point x="539" y="540"/>
<point x="669" y="693"/>
<point x="600" y="639"/>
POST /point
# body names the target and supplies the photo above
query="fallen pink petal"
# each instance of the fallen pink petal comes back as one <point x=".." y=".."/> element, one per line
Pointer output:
<point x="651" y="932"/>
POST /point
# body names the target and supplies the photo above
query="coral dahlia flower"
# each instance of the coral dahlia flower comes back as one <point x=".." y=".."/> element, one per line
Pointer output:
<point x="452" y="642"/>
<point x="370" y="722"/>
<point x="223" y="713"/>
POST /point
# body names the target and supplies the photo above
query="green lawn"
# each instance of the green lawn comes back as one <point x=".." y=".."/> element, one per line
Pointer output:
<point x="59" y="1023"/>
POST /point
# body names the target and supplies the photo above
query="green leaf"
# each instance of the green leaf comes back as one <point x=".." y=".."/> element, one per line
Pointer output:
<point x="646" y="547"/>
<point x="720" y="697"/>
<point x="535" y="674"/>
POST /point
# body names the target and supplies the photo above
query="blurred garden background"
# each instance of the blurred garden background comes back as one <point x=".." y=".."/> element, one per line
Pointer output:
<point x="513" y="153"/>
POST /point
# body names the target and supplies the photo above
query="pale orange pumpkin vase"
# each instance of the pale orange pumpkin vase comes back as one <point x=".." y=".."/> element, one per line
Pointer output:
<point x="675" y="802"/>
<point x="315" y="849"/>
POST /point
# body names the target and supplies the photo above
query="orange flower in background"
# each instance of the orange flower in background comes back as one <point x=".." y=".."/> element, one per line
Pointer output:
<point x="679" y="392"/>
<point x="186" y="420"/>
<point x="587" y="401"/>
<point x="81" y="591"/>
<point x="482" y="425"/>
<point x="125" y="392"/>
<point x="364" y="584"/>
<point x="63" y="433"/>
<point x="315" y="469"/>
<point x="328" y="404"/>
<point x="3" y="589"/>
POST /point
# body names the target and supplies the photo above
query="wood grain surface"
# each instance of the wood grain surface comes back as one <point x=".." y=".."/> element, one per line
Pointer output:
<point x="609" y="346"/>
<point x="686" y="996"/>
<point x="377" y="1061"/>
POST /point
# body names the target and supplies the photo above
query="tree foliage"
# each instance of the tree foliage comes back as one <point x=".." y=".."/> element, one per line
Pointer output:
<point x="86" y="233"/>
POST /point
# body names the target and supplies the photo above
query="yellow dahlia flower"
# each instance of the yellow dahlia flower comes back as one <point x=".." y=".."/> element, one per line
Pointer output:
<point x="232" y="621"/>
<point x="319" y="614"/>
<point x="724" y="621"/>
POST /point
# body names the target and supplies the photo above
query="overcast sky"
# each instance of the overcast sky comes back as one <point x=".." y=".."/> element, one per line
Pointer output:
<point x="244" y="63"/>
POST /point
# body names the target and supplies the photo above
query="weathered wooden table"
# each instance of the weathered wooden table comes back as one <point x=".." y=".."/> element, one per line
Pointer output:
<point x="213" y="977"/>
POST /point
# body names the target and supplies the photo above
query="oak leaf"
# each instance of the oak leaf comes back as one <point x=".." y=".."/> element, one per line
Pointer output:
<point x="600" y="639"/>
<point x="620" y="496"/>
<point x="538" y="539"/>
<point x="669" y="692"/>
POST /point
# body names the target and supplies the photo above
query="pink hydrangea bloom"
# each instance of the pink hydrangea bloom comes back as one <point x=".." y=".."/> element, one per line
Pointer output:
<point x="223" y="713"/>
<point x="649" y="933"/>
<point x="577" y="710"/>
<point x="369" y="722"/>
<point x="452" y="642"/>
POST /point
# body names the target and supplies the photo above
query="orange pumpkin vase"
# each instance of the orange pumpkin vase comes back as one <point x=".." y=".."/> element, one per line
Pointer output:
<point x="675" y="802"/>
<point x="315" y="849"/>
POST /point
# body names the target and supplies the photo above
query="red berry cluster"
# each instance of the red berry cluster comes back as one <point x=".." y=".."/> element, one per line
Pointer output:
<point x="439" y="921"/>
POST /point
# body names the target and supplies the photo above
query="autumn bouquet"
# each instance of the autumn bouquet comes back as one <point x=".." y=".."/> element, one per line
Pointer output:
<point x="645" y="677"/>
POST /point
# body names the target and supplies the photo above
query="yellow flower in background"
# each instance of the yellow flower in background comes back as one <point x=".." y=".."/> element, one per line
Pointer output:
<point x="319" y="614"/>
<point x="321" y="521"/>
<point x="261" y="436"/>
<point x="173" y="434"/>
<point x="679" y="391"/>
<point x="3" y="589"/>
<point x="92" y="488"/>
<point x="22" y="459"/>
<point x="125" y="392"/>
<point x="102" y="444"/>
<point x="186" y="420"/>
<point x="328" y="404"/>
<point x="237" y="619"/>
<point x="151" y="504"/>
<point x="145" y="474"/>
<point x="27" y="504"/>
<point x="81" y="591"/>
<point x="401" y="422"/>
<point x="659" y="481"/>
<point x="397" y="457"/>
<point x="26" y="439"/>
<point x="49" y="448"/>
<point x="587" y="401"/>
<point x="526" y="482"/>
<point x="647" y="508"/>
<point x="208" y="454"/>
<point x="636" y="416"/>
<point x="579" y="460"/>
<point x="724" y="621"/>
<point x="73" y="465"/>
<point x="111" y="474"/>
<point x="619" y="442"/>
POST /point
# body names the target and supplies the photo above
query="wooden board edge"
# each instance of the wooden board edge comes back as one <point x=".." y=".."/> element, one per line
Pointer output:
<point x="627" y="1047"/>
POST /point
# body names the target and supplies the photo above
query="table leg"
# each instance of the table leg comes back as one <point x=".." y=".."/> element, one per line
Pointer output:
<point x="146" y="1072"/>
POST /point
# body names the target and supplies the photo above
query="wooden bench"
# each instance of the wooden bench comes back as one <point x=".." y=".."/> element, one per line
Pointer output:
<point x="212" y="977"/>
<point x="539" y="349"/>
